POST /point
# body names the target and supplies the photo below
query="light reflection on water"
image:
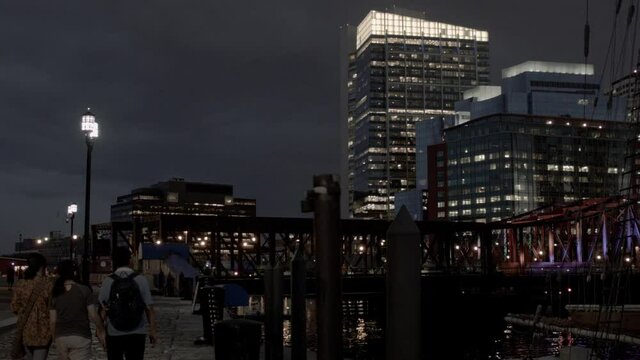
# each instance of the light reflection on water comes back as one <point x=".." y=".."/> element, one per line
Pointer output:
<point x="364" y="339"/>
<point x="519" y="342"/>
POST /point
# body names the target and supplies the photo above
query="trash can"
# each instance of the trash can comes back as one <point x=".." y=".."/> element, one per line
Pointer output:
<point x="238" y="339"/>
<point x="212" y="306"/>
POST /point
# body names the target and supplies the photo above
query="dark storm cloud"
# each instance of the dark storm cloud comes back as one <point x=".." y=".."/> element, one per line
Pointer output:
<point x="234" y="92"/>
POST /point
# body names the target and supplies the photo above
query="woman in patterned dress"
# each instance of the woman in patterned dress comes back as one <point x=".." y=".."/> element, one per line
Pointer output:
<point x="36" y="333"/>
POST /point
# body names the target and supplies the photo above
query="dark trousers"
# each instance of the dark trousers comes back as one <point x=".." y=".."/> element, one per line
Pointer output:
<point x="129" y="346"/>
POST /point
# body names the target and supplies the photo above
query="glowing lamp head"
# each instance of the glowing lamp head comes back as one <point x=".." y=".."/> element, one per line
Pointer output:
<point x="72" y="209"/>
<point x="89" y="125"/>
<point x="75" y="237"/>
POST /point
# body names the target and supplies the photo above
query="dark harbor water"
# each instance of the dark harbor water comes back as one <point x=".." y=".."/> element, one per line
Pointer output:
<point x="454" y="332"/>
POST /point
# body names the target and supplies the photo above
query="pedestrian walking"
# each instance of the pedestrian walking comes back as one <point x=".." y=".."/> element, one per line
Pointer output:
<point x="11" y="276"/>
<point x="161" y="281"/>
<point x="72" y="307"/>
<point x="127" y="303"/>
<point x="170" y="285"/>
<point x="30" y="302"/>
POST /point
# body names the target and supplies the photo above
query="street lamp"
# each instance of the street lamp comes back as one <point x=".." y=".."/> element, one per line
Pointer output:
<point x="71" y="214"/>
<point x="89" y="127"/>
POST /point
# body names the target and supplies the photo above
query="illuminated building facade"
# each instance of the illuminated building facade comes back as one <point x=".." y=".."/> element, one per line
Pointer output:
<point x="629" y="88"/>
<point x="179" y="197"/>
<point x="54" y="247"/>
<point x="542" y="88"/>
<point x="401" y="69"/>
<point x="506" y="164"/>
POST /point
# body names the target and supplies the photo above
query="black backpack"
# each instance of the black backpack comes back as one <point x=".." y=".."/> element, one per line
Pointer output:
<point x="126" y="307"/>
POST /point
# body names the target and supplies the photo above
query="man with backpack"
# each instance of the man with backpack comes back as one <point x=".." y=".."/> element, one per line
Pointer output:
<point x="126" y="300"/>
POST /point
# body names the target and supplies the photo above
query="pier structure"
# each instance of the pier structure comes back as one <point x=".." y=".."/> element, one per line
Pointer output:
<point x="587" y="234"/>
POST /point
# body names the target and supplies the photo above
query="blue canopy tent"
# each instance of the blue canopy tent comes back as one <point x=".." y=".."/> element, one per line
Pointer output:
<point x="234" y="295"/>
<point x="178" y="265"/>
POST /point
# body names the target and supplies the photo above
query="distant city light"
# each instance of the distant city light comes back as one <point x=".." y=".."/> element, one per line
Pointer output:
<point x="158" y="242"/>
<point x="628" y="259"/>
<point x="598" y="257"/>
<point x="569" y="289"/>
<point x="206" y="238"/>
<point x="202" y="243"/>
<point x="75" y="237"/>
<point x="179" y="237"/>
<point x="475" y="248"/>
<point x="457" y="247"/>
<point x="540" y="252"/>
<point x="46" y="239"/>
<point x="361" y="248"/>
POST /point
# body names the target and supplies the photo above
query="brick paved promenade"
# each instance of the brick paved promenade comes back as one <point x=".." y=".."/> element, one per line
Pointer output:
<point x="177" y="329"/>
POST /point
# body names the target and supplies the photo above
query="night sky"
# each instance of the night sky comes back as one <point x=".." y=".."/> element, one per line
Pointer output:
<point x="237" y="92"/>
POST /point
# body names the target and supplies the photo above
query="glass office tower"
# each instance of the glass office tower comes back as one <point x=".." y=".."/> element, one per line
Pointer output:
<point x="402" y="69"/>
<point x="506" y="164"/>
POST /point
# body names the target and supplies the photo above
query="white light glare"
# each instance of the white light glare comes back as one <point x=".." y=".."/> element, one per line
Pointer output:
<point x="72" y="209"/>
<point x="89" y="125"/>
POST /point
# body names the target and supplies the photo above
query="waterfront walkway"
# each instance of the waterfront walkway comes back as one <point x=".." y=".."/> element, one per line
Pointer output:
<point x="177" y="329"/>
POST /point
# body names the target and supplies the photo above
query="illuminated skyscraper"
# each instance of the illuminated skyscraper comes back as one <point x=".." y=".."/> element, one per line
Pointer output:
<point x="401" y="69"/>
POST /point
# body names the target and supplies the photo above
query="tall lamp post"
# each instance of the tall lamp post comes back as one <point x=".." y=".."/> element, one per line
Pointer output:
<point x="90" y="130"/>
<point x="71" y="214"/>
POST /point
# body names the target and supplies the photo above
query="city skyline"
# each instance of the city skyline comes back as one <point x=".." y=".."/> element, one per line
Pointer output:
<point x="193" y="92"/>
